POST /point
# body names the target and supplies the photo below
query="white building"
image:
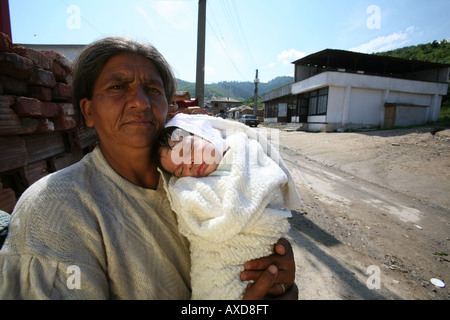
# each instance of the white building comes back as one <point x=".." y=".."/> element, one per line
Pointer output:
<point x="340" y="89"/>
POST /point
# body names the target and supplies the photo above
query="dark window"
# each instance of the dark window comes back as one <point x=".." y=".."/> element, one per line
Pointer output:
<point x="318" y="101"/>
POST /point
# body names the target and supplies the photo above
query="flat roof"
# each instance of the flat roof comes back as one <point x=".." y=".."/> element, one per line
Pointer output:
<point x="372" y="63"/>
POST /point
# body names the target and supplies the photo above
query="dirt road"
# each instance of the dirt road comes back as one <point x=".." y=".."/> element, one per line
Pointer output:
<point x="375" y="222"/>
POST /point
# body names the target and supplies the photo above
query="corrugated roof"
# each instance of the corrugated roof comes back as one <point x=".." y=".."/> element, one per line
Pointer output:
<point x="349" y="60"/>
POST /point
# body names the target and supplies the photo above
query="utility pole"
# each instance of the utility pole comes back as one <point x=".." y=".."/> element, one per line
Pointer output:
<point x="5" y="21"/>
<point x="200" y="79"/>
<point x="255" y="101"/>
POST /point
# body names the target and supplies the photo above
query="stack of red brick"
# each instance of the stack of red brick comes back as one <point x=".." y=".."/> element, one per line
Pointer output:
<point x="40" y="130"/>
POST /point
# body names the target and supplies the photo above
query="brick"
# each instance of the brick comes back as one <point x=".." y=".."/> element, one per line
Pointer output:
<point x="18" y="49"/>
<point x="60" y="59"/>
<point x="43" y="146"/>
<point x="28" y="125"/>
<point x="67" y="109"/>
<point x="41" y="77"/>
<point x="64" y="123"/>
<point x="15" y="66"/>
<point x="28" y="107"/>
<point x="45" y="125"/>
<point x="61" y="75"/>
<point x="7" y="200"/>
<point x="34" y="171"/>
<point x="13" y="153"/>
<point x="13" y="86"/>
<point x="50" y="109"/>
<point x="62" y="92"/>
<point x="34" y="125"/>
<point x="40" y="60"/>
<point x="5" y="42"/>
<point x="41" y="93"/>
<point x="9" y="120"/>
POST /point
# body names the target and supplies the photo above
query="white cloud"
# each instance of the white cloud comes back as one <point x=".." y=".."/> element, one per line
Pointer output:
<point x="410" y="29"/>
<point x="289" y="56"/>
<point x="385" y="43"/>
<point x="271" y="65"/>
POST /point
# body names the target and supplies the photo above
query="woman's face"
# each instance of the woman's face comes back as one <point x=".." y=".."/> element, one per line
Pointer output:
<point x="129" y="107"/>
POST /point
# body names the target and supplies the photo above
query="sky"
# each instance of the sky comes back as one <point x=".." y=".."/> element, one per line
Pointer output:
<point x="241" y="35"/>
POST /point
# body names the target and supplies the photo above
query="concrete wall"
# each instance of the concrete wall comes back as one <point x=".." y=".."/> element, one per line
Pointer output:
<point x="410" y="115"/>
<point x="358" y="101"/>
<point x="365" y="108"/>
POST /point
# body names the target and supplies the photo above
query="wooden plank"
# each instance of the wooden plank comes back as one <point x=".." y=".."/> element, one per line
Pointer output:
<point x="34" y="171"/>
<point x="389" y="116"/>
<point x="9" y="120"/>
<point x="13" y="153"/>
<point x="65" y="160"/>
<point x="85" y="137"/>
<point x="43" y="146"/>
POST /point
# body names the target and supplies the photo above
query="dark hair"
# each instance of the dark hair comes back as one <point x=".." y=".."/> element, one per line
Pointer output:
<point x="90" y="62"/>
<point x="163" y="143"/>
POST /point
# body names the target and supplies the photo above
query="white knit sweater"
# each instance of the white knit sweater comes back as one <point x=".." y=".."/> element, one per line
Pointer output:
<point x="231" y="219"/>
<point x="124" y="239"/>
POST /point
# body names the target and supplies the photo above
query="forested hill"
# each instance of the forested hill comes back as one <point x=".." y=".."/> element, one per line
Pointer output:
<point x="234" y="89"/>
<point x="435" y="51"/>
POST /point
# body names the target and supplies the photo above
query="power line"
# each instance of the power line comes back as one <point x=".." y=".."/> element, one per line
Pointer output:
<point x="242" y="31"/>
<point x="225" y="50"/>
<point x="234" y="21"/>
<point x="232" y="24"/>
<point x="222" y="43"/>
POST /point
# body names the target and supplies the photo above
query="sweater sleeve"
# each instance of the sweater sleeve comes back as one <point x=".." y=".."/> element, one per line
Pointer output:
<point x="46" y="256"/>
<point x="33" y="277"/>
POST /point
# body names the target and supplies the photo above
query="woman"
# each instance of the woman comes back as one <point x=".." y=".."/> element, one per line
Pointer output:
<point x="105" y="222"/>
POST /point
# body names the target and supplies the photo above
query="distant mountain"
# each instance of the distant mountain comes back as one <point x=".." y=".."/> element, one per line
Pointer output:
<point x="234" y="89"/>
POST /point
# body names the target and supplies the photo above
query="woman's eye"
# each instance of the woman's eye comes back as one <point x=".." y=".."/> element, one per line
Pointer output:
<point x="154" y="90"/>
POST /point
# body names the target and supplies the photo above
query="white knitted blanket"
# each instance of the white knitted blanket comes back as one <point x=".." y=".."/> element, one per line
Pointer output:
<point x="233" y="218"/>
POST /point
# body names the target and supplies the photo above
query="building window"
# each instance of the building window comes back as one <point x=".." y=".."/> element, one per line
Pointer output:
<point x="271" y="110"/>
<point x="318" y="101"/>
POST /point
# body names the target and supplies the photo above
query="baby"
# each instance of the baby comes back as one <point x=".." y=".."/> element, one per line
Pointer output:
<point x="228" y="205"/>
<point x="184" y="154"/>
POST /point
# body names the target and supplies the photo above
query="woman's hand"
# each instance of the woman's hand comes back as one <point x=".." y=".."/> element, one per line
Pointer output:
<point x="273" y="276"/>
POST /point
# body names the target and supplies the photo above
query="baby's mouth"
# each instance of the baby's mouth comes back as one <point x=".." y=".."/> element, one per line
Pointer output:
<point x="200" y="169"/>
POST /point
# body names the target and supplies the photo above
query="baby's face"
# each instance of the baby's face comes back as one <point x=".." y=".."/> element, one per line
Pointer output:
<point x="192" y="156"/>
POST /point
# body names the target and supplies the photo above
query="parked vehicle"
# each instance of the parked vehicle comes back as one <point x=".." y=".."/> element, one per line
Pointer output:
<point x="249" y="120"/>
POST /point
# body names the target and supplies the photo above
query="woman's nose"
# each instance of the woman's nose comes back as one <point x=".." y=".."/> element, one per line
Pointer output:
<point x="138" y="98"/>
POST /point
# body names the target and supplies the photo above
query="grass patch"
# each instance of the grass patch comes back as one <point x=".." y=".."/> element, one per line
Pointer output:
<point x="444" y="116"/>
